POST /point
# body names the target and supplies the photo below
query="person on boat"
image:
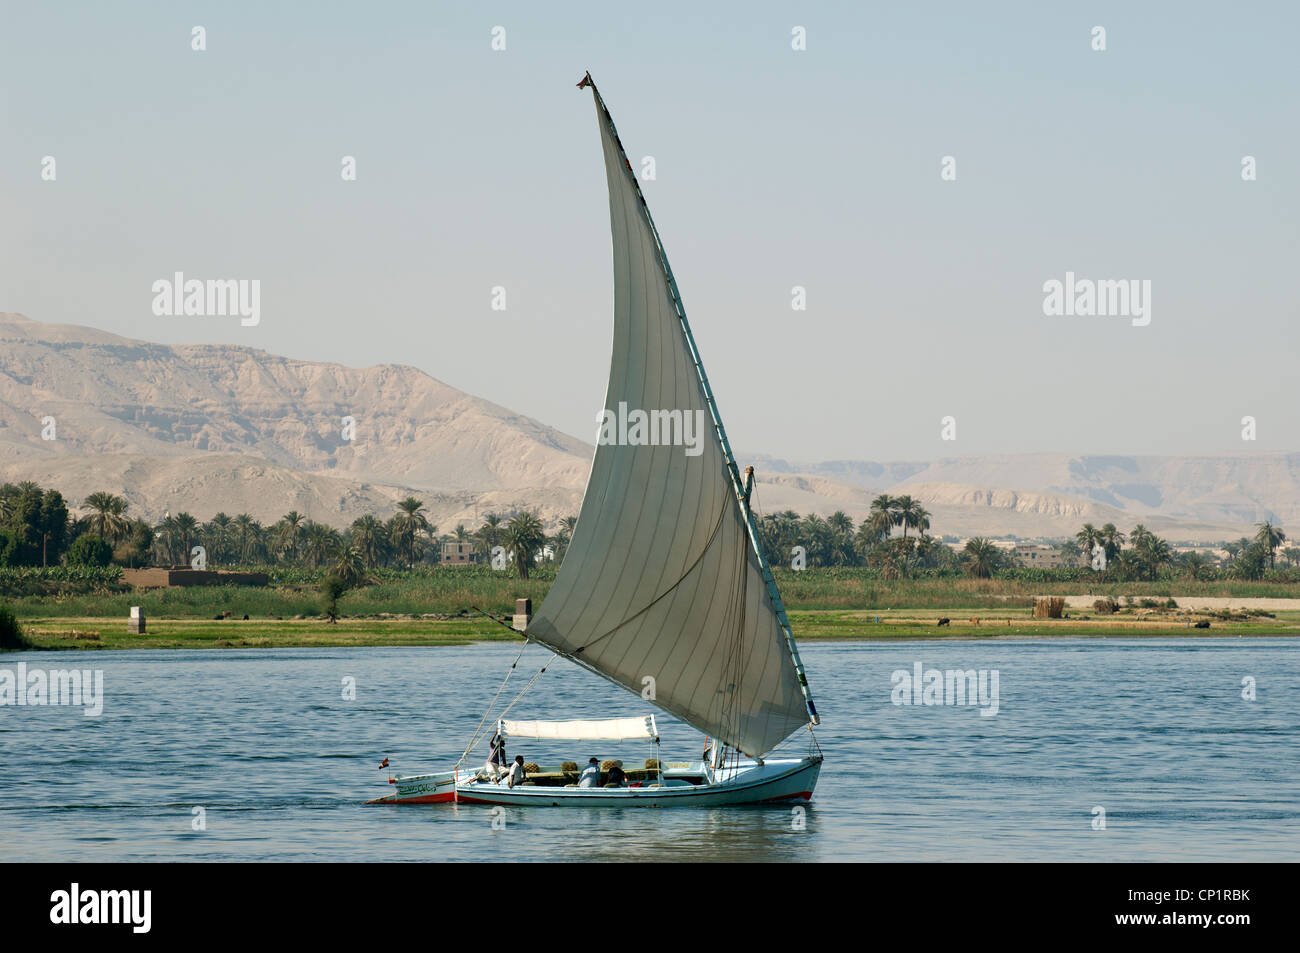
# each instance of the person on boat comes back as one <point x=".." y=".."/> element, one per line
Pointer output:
<point x="496" y="762"/>
<point x="616" y="777"/>
<point x="517" y="772"/>
<point x="590" y="777"/>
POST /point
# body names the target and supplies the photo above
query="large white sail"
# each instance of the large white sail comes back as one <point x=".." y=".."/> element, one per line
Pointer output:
<point x="662" y="589"/>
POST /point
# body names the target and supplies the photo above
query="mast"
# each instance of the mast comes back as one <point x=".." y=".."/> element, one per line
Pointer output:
<point x="738" y="486"/>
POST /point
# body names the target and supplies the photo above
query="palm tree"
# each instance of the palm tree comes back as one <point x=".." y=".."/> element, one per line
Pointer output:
<point x="563" y="537"/>
<point x="288" y="534"/>
<point x="187" y="527"/>
<point x="462" y="534"/>
<point x="1270" y="537"/>
<point x="786" y="531"/>
<point x="883" y="514"/>
<point x="407" y="525"/>
<point x="216" y="533"/>
<point x="1292" y="555"/>
<point x="1126" y="565"/>
<point x="894" y="558"/>
<point x="1112" y="540"/>
<point x="489" y="534"/>
<point x="368" y="539"/>
<point x="921" y="519"/>
<point x="882" y="524"/>
<point x="1251" y="561"/>
<point x="841" y="522"/>
<point x="841" y="539"/>
<point x="168" y="539"/>
<point x="245" y="535"/>
<point x="1152" y="552"/>
<point x="769" y="536"/>
<point x="525" y="536"/>
<point x="320" y="542"/>
<point x="1088" y="538"/>
<point x="434" y="542"/>
<point x="982" y="557"/>
<point x="908" y="512"/>
<point x="1194" y="564"/>
<point x="141" y="536"/>
<point x="815" y="533"/>
<point x="351" y="565"/>
<point x="107" y="519"/>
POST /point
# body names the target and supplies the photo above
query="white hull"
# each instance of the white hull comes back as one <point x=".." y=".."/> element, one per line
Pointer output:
<point x="747" y="782"/>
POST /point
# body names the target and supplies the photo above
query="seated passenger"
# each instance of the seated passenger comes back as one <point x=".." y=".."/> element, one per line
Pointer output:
<point x="590" y="777"/>
<point x="517" y="773"/>
<point x="616" y="778"/>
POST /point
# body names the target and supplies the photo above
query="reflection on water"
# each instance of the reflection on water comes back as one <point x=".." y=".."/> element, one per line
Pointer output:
<point x="1155" y="732"/>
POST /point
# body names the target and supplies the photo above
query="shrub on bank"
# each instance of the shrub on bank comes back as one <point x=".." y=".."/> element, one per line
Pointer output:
<point x="89" y="550"/>
<point x="11" y="633"/>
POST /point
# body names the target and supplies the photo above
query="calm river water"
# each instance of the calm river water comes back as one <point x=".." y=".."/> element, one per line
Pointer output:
<point x="1155" y="732"/>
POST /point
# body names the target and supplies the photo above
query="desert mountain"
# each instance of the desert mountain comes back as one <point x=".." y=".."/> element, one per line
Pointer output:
<point x="1187" y="497"/>
<point x="215" y="427"/>
<point x="207" y="428"/>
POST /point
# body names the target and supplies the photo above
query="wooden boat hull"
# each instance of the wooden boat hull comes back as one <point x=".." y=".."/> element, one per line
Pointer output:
<point x="772" y="782"/>
<point x="422" y="789"/>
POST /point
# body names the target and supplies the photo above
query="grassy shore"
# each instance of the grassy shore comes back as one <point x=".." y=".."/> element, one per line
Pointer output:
<point x="452" y="591"/>
<point x="432" y="607"/>
<point x="110" y="633"/>
<point x="815" y="625"/>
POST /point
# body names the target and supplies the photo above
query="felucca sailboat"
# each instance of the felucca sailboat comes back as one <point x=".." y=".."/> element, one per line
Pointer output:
<point x="664" y="583"/>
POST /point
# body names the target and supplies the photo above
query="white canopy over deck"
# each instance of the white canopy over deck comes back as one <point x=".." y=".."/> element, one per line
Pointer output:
<point x="602" y="729"/>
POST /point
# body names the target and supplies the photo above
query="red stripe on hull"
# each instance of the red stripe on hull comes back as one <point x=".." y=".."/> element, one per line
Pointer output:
<point x="800" y="796"/>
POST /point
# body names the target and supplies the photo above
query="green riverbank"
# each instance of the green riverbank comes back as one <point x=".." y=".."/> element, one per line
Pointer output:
<point x="91" y="633"/>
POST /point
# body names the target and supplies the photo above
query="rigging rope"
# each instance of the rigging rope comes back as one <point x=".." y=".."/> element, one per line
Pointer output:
<point x="478" y="730"/>
<point x="523" y="691"/>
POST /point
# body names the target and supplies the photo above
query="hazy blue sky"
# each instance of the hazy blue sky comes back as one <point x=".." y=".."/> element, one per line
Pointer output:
<point x="775" y="168"/>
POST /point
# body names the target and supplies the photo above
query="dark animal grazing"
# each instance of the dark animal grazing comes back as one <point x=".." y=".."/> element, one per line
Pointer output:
<point x="1201" y="625"/>
<point x="944" y="621"/>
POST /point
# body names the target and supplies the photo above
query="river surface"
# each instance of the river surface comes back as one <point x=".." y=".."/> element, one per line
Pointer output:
<point x="1154" y="732"/>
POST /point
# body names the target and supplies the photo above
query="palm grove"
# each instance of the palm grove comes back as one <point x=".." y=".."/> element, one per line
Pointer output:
<point x="37" y="529"/>
<point x="883" y="542"/>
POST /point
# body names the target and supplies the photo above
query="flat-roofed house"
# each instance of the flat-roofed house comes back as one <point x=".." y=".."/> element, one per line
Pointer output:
<point x="458" y="554"/>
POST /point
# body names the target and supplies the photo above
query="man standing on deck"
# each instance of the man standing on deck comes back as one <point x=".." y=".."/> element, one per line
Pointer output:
<point x="496" y="762"/>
